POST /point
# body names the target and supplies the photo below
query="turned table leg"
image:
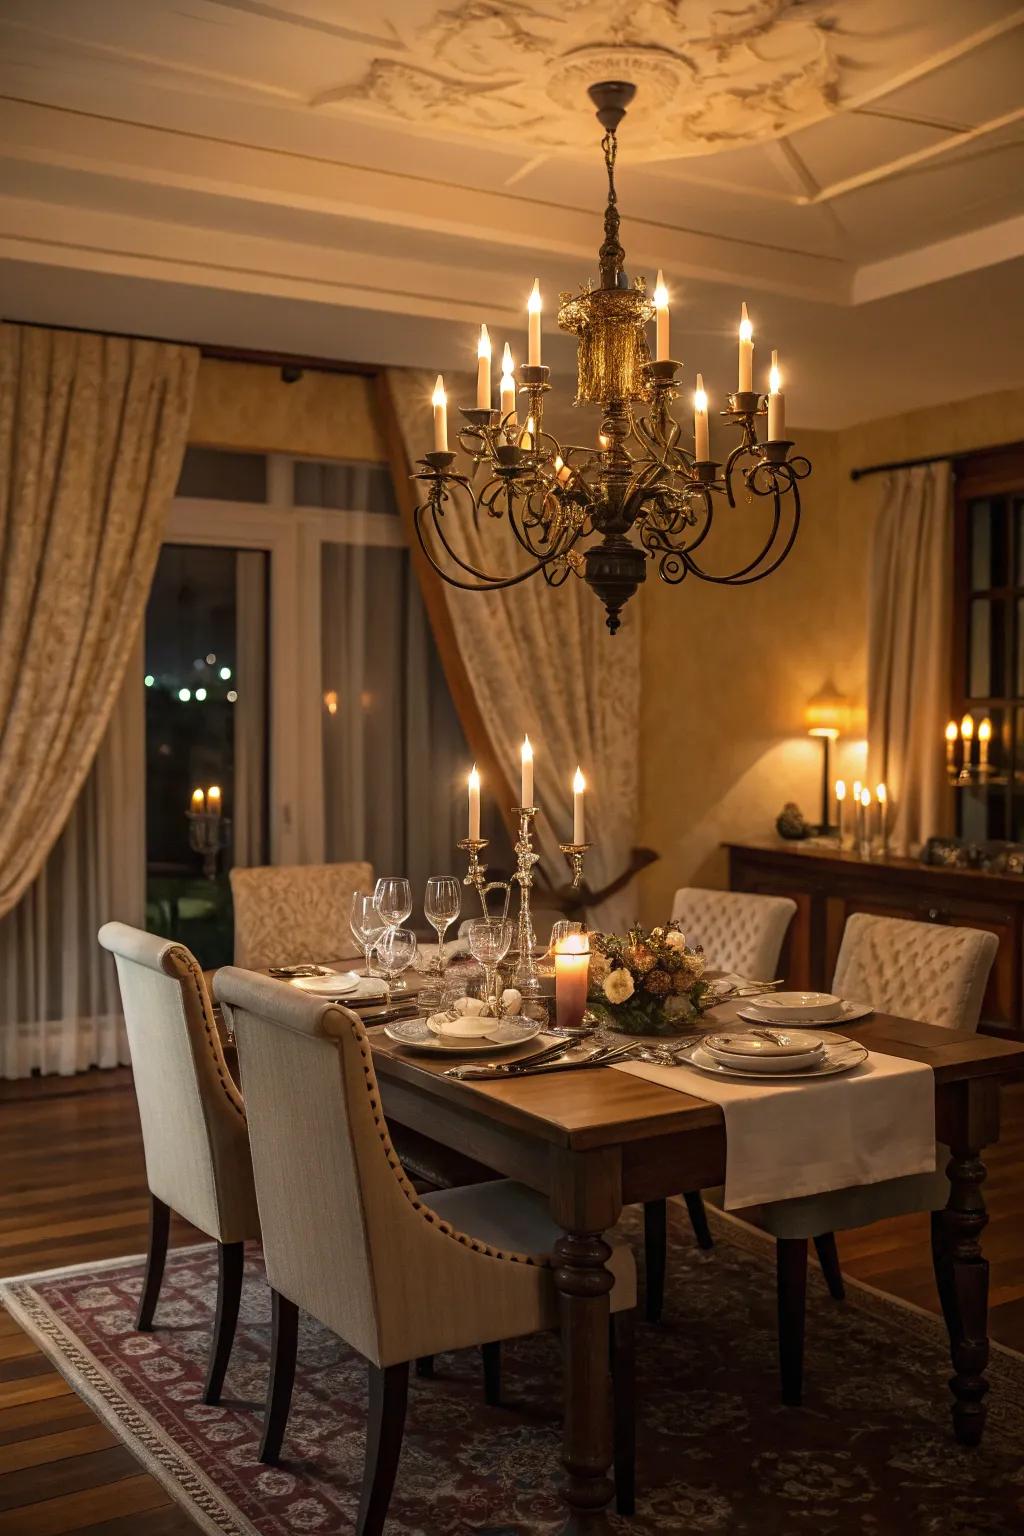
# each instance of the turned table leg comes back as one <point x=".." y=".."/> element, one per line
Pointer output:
<point x="964" y="1219"/>
<point x="583" y="1282"/>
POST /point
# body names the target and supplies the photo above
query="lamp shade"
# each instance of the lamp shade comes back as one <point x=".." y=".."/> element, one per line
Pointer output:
<point x="828" y="712"/>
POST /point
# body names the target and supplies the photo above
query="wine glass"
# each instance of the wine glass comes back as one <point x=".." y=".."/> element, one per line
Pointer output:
<point x="392" y="896"/>
<point x="489" y="939"/>
<point x="396" y="951"/>
<point x="441" y="906"/>
<point x="366" y="923"/>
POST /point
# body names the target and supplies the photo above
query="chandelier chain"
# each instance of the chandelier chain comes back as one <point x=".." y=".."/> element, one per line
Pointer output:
<point x="611" y="255"/>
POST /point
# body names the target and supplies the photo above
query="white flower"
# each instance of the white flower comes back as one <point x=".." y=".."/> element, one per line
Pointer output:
<point x="618" y="986"/>
<point x="675" y="940"/>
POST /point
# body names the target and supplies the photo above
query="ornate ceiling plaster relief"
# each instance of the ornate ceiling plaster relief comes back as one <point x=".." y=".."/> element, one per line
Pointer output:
<point x="710" y="76"/>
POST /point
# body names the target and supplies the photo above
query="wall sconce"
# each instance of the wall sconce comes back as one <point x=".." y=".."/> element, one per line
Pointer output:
<point x="827" y="716"/>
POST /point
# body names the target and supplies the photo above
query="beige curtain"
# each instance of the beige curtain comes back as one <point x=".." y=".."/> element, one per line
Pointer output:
<point x="92" y="431"/>
<point x="541" y="661"/>
<point x="910" y="622"/>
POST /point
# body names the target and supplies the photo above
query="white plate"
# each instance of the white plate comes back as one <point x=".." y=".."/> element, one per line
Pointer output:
<point x="798" y="1007"/>
<point x="848" y="1012"/>
<point x="839" y="1056"/>
<point x="771" y="1066"/>
<point x="343" y="984"/>
<point x="505" y="1034"/>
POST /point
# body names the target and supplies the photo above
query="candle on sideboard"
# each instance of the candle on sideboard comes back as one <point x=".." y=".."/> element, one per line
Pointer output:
<point x="533" y="310"/>
<point x="579" y="785"/>
<point x="508" y="385"/>
<point x="198" y="802"/>
<point x="776" y="403"/>
<point x="863" y="824"/>
<point x="967" y="736"/>
<point x="951" y="736"/>
<point x="840" y="807"/>
<point x="857" y="787"/>
<point x="746" y="352"/>
<point x="984" y="737"/>
<point x="572" y="966"/>
<point x="474" y="804"/>
<point x="882" y="797"/>
<point x="213" y="803"/>
<point x="701" y="441"/>
<point x="662" y="351"/>
<point x="526" y="763"/>
<point x="483" y="371"/>
<point x="439" y="400"/>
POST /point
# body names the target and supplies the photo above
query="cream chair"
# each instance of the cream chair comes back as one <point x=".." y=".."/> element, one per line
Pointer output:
<point x="348" y="1240"/>
<point x="925" y="971"/>
<point x="193" y="1123"/>
<point x="738" y="932"/>
<point x="286" y="914"/>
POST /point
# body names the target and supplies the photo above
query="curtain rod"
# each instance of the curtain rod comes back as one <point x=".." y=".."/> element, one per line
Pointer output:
<point x="932" y="458"/>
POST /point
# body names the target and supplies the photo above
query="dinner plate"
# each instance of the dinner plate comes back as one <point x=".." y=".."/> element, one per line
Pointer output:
<point x="762" y="1045"/>
<point x="505" y="1034"/>
<point x="848" y="1012"/>
<point x="343" y="985"/>
<point x="840" y="1055"/>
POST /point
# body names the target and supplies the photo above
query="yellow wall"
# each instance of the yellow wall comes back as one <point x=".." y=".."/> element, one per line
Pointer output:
<point x="248" y="406"/>
<point x="727" y="673"/>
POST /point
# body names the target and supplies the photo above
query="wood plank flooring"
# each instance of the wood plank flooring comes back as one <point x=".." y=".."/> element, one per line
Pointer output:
<point x="72" y="1189"/>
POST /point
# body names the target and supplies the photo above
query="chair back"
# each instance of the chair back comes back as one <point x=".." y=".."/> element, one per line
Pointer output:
<point x="926" y="971"/>
<point x="287" y="914"/>
<point x="737" y="931"/>
<point x="193" y="1120"/>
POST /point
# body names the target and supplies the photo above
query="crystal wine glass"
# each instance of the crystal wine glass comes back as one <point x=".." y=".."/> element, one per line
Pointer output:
<point x="392" y="896"/>
<point x="396" y="951"/>
<point x="441" y="906"/>
<point x="489" y="939"/>
<point x="366" y="923"/>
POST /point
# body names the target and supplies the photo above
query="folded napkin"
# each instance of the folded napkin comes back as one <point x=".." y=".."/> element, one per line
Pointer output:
<point x="784" y="1139"/>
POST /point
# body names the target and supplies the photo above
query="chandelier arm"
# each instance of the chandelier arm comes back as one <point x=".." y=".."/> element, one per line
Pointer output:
<point x="437" y="515"/>
<point x="523" y="538"/>
<point x="484" y="583"/>
<point x="748" y="574"/>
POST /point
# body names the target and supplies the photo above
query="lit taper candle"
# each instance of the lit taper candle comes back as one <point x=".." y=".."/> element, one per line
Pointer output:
<point x="526" y="763"/>
<point x="967" y="736"/>
<point x="483" y="371"/>
<point x="984" y="737"/>
<point x="951" y="735"/>
<point x="746" y="352"/>
<point x="661" y="319"/>
<point x="776" y="403"/>
<point x="533" y="310"/>
<point x="474" y="804"/>
<point x="439" y="400"/>
<point x="213" y="800"/>
<point x="882" y="796"/>
<point x="701" y="440"/>
<point x="840" y="807"/>
<point x="508" y="386"/>
<point x="579" y="785"/>
<point x="198" y="802"/>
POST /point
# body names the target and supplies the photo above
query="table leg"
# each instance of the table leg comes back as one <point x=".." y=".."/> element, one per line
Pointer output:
<point x="965" y="1219"/>
<point x="583" y="1281"/>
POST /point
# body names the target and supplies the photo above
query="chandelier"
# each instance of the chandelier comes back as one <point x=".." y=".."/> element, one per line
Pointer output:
<point x="571" y="510"/>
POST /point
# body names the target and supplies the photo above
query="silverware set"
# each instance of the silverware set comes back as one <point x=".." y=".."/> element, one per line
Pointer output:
<point x="553" y="1059"/>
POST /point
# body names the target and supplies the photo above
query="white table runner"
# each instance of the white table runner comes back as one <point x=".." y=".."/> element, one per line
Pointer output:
<point x="805" y="1138"/>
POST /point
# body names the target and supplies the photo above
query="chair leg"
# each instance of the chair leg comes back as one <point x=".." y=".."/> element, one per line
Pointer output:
<point x="791" y="1284"/>
<point x="655" y="1258"/>
<point x="945" y="1284"/>
<point x="491" y="1355"/>
<point x="699" y="1219"/>
<point x="623" y="1363"/>
<point x="828" y="1258"/>
<point x="159" y="1229"/>
<point x="389" y="1390"/>
<point x="230" y="1265"/>
<point x="283" y="1345"/>
<point x="425" y="1367"/>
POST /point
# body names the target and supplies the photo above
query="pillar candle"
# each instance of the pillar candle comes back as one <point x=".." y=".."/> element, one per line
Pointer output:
<point x="533" y="309"/>
<point x="662" y="351"/>
<point x="474" y="804"/>
<point x="579" y="785"/>
<point x="840" y="806"/>
<point x="746" y="352"/>
<point x="776" y="403"/>
<point x="213" y="800"/>
<point x="701" y="441"/>
<point x="572" y="966"/>
<point x="508" y="386"/>
<point x="526" y="762"/>
<point x="439" y="400"/>
<point x="483" y="371"/>
<point x="198" y="802"/>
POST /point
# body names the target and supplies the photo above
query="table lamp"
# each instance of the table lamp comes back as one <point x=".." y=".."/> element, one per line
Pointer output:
<point x="827" y="715"/>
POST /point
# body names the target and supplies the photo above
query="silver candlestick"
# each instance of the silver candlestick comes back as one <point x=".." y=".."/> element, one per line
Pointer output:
<point x="525" y="977"/>
<point x="476" y="874"/>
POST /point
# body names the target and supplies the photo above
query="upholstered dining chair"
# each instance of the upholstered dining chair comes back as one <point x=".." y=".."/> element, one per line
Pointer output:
<point x="397" y="1276"/>
<point x="288" y="914"/>
<point x="193" y="1123"/>
<point x="741" y="933"/>
<point x="927" y="971"/>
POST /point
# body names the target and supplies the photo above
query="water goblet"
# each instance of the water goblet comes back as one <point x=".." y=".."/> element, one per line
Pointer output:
<point x="489" y="939"/>
<point x="392" y="896"/>
<point x="441" y="906"/>
<point x="396" y="951"/>
<point x="366" y="923"/>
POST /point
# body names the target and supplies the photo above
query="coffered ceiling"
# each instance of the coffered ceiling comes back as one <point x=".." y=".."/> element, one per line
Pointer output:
<point x="385" y="177"/>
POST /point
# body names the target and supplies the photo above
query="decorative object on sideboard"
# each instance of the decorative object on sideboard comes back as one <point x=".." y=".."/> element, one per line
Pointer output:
<point x="557" y="498"/>
<point x="827" y="716"/>
<point x="790" y="823"/>
<point x="993" y="857"/>
<point x="208" y="828"/>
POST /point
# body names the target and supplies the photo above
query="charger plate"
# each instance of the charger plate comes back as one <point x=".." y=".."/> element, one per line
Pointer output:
<point x="840" y="1055"/>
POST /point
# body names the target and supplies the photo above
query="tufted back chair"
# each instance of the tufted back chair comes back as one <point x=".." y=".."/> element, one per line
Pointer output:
<point x="738" y="932"/>
<point x="293" y="913"/>
<point x="924" y="971"/>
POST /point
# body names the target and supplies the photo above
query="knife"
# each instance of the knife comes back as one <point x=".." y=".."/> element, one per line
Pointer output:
<point x="482" y="1074"/>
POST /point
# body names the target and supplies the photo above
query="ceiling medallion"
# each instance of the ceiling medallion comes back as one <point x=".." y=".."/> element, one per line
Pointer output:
<point x="571" y="509"/>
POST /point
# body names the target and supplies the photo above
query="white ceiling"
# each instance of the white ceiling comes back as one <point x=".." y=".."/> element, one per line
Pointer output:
<point x="376" y="183"/>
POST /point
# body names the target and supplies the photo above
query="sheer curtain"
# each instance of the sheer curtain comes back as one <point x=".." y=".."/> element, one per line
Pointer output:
<point x="59" y="1003"/>
<point x="910" y="620"/>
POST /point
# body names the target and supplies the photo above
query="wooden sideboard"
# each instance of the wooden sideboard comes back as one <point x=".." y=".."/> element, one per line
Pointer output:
<point x="828" y="886"/>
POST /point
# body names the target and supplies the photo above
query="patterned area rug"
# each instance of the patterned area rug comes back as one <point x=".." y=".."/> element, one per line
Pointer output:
<point x="870" y="1452"/>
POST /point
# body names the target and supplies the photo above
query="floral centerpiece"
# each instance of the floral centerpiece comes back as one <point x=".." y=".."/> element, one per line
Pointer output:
<point x="648" y="981"/>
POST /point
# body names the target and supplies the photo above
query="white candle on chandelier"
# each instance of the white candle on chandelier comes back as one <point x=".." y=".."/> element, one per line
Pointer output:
<point x="483" y="371"/>
<point x="562" y="470"/>
<point x="526" y="763"/>
<point x="579" y="785"/>
<point x="661" y="318"/>
<point x="746" y="352"/>
<point x="474" y="804"/>
<point x="529" y="433"/>
<point x="776" y="403"/>
<point x="701" y="441"/>
<point x="533" y="310"/>
<point x="439" y="400"/>
<point x="508" y="386"/>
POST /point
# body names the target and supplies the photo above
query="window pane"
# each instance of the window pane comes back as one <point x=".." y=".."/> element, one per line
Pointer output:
<point x="349" y="487"/>
<point x="987" y="522"/>
<point x="223" y="476"/>
<point x="986" y="650"/>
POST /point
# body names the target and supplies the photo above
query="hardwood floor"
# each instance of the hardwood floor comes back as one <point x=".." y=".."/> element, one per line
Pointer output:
<point x="72" y="1189"/>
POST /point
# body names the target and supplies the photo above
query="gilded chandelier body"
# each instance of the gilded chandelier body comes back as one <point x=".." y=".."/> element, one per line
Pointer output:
<point x="571" y="509"/>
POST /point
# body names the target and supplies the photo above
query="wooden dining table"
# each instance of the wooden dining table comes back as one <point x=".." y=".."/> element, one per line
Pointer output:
<point x="596" y="1140"/>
